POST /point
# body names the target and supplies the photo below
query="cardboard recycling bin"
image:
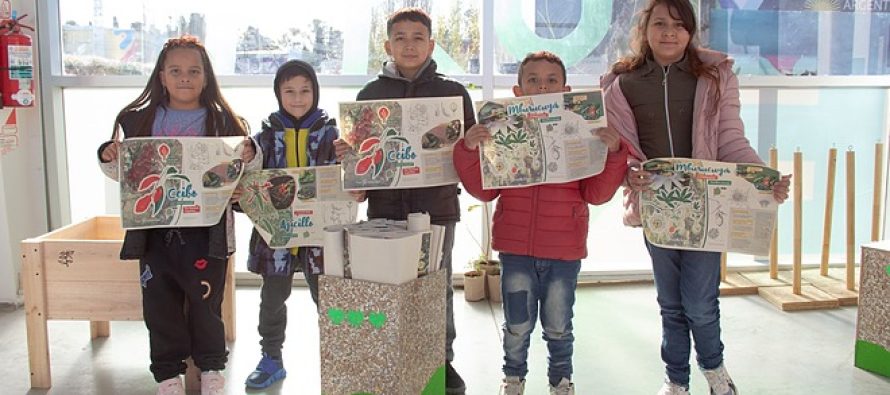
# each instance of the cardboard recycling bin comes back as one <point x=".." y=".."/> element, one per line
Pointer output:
<point x="382" y="339"/>
<point x="873" y="316"/>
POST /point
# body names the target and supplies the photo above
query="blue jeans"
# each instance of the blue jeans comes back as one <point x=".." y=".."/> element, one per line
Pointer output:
<point x="688" y="284"/>
<point x="525" y="282"/>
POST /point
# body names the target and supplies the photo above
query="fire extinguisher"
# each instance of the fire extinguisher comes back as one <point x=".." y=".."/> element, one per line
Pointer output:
<point x="16" y="64"/>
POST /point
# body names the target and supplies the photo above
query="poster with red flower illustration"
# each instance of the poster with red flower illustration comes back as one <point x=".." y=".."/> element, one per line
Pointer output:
<point x="290" y="207"/>
<point x="177" y="182"/>
<point x="541" y="139"/>
<point x="404" y="143"/>
<point x="709" y="206"/>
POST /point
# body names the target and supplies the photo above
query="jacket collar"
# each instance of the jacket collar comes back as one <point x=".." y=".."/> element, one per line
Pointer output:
<point x="651" y="65"/>
<point x="426" y="71"/>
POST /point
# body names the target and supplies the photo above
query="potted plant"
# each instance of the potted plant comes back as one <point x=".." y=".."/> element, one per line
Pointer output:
<point x="485" y="265"/>
<point x="474" y="285"/>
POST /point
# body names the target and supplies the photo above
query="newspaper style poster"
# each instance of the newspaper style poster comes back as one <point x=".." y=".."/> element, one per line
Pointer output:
<point x="291" y="207"/>
<point x="542" y="139"/>
<point x="709" y="206"/>
<point x="177" y="182"/>
<point x="400" y="143"/>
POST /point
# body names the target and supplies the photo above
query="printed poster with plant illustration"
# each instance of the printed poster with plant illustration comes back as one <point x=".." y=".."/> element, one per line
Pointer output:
<point x="403" y="143"/>
<point x="709" y="206"/>
<point x="290" y="207"/>
<point x="542" y="139"/>
<point x="177" y="182"/>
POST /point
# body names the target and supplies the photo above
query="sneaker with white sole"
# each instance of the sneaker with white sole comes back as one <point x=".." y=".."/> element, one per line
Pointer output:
<point x="670" y="388"/>
<point x="720" y="382"/>
<point x="565" y="387"/>
<point x="213" y="383"/>
<point x="171" y="386"/>
<point x="513" y="385"/>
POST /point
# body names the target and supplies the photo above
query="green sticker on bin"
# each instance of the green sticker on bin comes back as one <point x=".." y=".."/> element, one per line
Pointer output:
<point x="355" y="318"/>
<point x="377" y="319"/>
<point x="336" y="315"/>
<point x="887" y="269"/>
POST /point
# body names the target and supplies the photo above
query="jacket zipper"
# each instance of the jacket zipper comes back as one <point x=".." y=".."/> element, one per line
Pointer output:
<point x="667" y="114"/>
<point x="534" y="214"/>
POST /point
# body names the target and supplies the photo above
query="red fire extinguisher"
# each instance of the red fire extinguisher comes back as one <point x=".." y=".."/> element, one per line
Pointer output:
<point x="16" y="64"/>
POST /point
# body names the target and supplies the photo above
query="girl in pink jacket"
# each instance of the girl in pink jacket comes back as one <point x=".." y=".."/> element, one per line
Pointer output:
<point x="673" y="99"/>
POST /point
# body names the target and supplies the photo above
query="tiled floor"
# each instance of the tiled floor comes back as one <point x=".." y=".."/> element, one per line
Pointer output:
<point x="617" y="334"/>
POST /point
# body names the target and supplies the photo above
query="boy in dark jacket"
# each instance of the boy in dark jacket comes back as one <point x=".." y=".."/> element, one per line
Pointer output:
<point x="310" y="144"/>
<point x="412" y="73"/>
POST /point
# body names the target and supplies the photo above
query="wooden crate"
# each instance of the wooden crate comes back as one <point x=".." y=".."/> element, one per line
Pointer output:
<point x="71" y="274"/>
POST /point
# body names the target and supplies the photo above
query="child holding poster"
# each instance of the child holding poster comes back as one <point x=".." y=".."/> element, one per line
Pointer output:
<point x="298" y="134"/>
<point x="541" y="234"/>
<point x="412" y="73"/>
<point x="181" y="99"/>
<point x="671" y="98"/>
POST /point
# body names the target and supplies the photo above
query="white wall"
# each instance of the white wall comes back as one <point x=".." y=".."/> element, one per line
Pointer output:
<point x="23" y="195"/>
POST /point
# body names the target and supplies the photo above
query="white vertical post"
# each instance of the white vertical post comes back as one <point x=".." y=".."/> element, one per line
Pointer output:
<point x="8" y="275"/>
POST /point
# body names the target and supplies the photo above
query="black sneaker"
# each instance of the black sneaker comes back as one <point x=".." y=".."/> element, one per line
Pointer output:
<point x="454" y="385"/>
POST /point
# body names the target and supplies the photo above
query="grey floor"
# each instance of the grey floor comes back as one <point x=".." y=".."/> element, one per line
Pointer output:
<point x="616" y="349"/>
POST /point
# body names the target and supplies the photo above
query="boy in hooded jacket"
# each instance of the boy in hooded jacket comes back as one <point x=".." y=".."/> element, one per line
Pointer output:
<point x="299" y="134"/>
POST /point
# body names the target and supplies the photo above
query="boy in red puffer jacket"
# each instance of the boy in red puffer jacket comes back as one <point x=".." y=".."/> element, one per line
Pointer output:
<point x="541" y="234"/>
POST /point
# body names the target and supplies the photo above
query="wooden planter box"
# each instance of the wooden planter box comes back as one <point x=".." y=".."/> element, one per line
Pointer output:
<point x="71" y="274"/>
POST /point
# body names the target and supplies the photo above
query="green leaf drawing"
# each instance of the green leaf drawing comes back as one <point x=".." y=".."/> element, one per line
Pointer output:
<point x="680" y="195"/>
<point x="511" y="138"/>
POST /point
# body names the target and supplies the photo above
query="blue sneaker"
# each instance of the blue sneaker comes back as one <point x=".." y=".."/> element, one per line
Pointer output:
<point x="267" y="372"/>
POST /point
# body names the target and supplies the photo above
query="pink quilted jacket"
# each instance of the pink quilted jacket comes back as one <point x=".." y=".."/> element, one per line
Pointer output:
<point x="719" y="137"/>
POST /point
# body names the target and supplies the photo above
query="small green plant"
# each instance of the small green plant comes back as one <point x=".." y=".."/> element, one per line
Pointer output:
<point x="484" y="262"/>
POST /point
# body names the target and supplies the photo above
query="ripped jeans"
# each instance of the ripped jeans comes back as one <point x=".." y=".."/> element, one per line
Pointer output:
<point x="530" y="285"/>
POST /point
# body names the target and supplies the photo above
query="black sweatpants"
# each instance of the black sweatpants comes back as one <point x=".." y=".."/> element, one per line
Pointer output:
<point x="182" y="293"/>
<point x="273" y="310"/>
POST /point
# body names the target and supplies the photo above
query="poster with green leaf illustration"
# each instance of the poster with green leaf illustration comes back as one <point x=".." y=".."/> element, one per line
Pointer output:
<point x="709" y="206"/>
<point x="403" y="143"/>
<point x="177" y="182"/>
<point x="542" y="139"/>
<point x="290" y="207"/>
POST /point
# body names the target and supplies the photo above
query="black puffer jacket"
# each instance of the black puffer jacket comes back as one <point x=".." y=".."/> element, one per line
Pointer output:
<point x="440" y="202"/>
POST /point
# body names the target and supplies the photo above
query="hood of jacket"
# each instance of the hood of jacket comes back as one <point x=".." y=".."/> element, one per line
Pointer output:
<point x="291" y="69"/>
<point x="389" y="70"/>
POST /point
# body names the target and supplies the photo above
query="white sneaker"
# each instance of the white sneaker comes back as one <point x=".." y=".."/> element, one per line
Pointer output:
<point x="171" y="386"/>
<point x="565" y="387"/>
<point x="670" y="388"/>
<point x="513" y="385"/>
<point x="720" y="382"/>
<point x="212" y="383"/>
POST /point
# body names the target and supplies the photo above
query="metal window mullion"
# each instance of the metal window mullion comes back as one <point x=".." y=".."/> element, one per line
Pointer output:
<point x="55" y="159"/>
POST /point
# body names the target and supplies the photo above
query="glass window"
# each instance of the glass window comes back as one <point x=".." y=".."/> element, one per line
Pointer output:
<point x="588" y="35"/>
<point x="118" y="37"/>
<point x="802" y="37"/>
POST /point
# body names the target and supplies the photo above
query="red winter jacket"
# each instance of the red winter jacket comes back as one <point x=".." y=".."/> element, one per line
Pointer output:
<point x="544" y="221"/>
